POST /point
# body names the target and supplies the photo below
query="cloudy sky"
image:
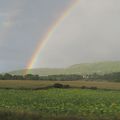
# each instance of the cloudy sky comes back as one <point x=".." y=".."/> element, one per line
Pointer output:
<point x="91" y="32"/>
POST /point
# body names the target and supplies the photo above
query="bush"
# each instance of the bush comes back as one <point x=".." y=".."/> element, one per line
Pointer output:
<point x="58" y="85"/>
<point x="83" y="87"/>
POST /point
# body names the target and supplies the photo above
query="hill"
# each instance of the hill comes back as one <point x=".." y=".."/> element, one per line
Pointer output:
<point x="84" y="68"/>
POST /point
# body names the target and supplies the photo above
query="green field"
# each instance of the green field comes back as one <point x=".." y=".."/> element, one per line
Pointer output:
<point x="20" y="101"/>
<point x="64" y="104"/>
<point x="83" y="68"/>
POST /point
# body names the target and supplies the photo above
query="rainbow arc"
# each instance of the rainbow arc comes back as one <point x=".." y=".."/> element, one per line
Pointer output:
<point x="49" y="34"/>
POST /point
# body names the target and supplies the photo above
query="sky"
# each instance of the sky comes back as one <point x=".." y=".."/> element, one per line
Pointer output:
<point x="89" y="33"/>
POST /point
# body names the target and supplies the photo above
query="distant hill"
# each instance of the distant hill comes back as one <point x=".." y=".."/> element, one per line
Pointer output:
<point x="84" y="68"/>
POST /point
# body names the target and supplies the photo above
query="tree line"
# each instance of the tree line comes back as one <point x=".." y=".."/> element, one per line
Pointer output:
<point x="8" y="76"/>
<point x="115" y="77"/>
<point x="95" y="77"/>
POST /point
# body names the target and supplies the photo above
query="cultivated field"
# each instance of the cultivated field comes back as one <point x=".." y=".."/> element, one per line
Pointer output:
<point x="31" y="84"/>
<point x="59" y="104"/>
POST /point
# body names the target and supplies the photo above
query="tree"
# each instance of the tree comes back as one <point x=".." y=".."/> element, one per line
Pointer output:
<point x="7" y="76"/>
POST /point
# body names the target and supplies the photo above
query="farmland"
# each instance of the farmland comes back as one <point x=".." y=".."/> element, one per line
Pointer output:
<point x="65" y="103"/>
<point x="31" y="84"/>
<point x="19" y="100"/>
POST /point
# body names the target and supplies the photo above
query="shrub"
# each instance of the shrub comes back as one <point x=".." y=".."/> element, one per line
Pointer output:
<point x="83" y="87"/>
<point x="58" y="85"/>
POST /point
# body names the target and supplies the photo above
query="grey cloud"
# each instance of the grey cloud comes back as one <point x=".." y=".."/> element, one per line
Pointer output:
<point x="28" y="26"/>
<point x="90" y="33"/>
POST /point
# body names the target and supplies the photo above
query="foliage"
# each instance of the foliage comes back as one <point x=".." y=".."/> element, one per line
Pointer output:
<point x="58" y="85"/>
<point x="96" y="77"/>
<point x="89" y="104"/>
<point x="8" y="76"/>
<point x="110" y="77"/>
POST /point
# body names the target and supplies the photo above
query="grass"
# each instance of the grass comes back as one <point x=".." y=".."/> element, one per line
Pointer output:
<point x="19" y="115"/>
<point x="59" y="104"/>
<point x="83" y="68"/>
<point x="56" y="104"/>
<point x="30" y="84"/>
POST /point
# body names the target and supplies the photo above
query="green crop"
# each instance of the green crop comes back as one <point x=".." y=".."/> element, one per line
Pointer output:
<point x="65" y="102"/>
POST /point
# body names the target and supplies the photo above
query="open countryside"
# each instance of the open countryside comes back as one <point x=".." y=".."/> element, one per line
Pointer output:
<point x="59" y="59"/>
<point x="34" y="99"/>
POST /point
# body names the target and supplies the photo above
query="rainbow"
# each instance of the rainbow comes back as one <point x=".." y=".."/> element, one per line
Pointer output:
<point x="48" y="35"/>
